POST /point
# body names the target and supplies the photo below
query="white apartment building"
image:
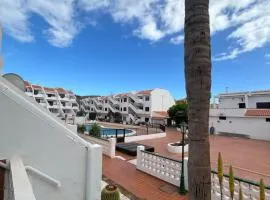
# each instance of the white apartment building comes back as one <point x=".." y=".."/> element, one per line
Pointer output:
<point x="141" y="106"/>
<point x="59" y="101"/>
<point x="242" y="113"/>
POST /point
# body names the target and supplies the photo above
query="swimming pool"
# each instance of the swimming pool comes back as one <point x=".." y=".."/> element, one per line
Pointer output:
<point x="111" y="132"/>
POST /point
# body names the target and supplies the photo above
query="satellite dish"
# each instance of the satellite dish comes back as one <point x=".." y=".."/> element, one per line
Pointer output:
<point x="15" y="80"/>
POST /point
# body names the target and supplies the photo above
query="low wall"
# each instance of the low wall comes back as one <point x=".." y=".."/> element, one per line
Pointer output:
<point x="253" y="127"/>
<point x="108" y="145"/>
<point x="162" y="167"/>
<point x="144" y="137"/>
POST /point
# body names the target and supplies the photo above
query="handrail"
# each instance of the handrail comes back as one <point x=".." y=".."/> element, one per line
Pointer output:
<point x="243" y="180"/>
<point x="165" y="157"/>
<point x="43" y="175"/>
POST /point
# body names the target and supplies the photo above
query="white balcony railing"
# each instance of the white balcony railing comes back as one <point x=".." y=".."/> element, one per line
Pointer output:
<point x="30" y="94"/>
<point x="39" y="95"/>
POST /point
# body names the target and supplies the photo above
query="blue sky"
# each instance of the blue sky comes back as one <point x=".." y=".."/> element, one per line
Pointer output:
<point x="103" y="47"/>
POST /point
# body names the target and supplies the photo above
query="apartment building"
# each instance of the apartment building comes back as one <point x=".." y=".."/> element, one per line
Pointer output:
<point x="59" y="101"/>
<point x="242" y="113"/>
<point x="134" y="107"/>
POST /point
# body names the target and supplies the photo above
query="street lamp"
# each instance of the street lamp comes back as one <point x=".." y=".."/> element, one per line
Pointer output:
<point x="182" y="189"/>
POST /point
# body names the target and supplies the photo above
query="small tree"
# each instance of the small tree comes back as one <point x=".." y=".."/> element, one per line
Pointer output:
<point x="231" y="182"/>
<point x="95" y="130"/>
<point x="262" y="192"/>
<point x="178" y="112"/>
<point x="220" y="174"/>
<point x="80" y="128"/>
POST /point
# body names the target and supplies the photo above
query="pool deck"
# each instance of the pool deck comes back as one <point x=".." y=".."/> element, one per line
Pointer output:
<point x="248" y="157"/>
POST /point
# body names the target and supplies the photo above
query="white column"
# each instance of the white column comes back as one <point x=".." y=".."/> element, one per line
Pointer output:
<point x="246" y="100"/>
<point x="186" y="172"/>
<point x="94" y="172"/>
<point x="139" y="156"/>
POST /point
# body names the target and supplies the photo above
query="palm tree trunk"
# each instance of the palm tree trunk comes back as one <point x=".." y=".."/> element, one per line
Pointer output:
<point x="198" y="86"/>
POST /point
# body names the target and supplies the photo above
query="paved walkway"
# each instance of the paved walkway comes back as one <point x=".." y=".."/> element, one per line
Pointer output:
<point x="141" y="184"/>
<point x="250" y="159"/>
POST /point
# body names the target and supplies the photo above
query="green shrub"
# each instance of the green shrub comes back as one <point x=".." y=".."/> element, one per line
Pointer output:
<point x="231" y="182"/>
<point x="95" y="130"/>
<point x="80" y="128"/>
<point x="262" y="192"/>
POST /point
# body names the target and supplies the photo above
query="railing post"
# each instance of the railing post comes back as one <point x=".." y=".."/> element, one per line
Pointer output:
<point x="139" y="156"/>
<point x="147" y="129"/>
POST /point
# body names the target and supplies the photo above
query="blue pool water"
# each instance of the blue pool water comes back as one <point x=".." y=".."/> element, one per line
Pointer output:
<point x="109" y="131"/>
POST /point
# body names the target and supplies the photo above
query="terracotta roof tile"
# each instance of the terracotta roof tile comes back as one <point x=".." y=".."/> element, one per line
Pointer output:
<point x="27" y="84"/>
<point x="49" y="89"/>
<point x="61" y="91"/>
<point x="144" y="92"/>
<point x="258" y="112"/>
<point x="36" y="87"/>
<point x="160" y="114"/>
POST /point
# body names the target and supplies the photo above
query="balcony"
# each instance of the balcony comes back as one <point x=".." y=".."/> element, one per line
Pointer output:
<point x="39" y="95"/>
<point x="51" y="97"/>
<point x="30" y="94"/>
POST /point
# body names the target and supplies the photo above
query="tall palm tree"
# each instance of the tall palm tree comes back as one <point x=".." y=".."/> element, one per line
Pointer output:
<point x="198" y="86"/>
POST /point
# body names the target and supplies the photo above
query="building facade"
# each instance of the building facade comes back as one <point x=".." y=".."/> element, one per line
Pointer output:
<point x="134" y="107"/>
<point x="242" y="113"/>
<point x="59" y="101"/>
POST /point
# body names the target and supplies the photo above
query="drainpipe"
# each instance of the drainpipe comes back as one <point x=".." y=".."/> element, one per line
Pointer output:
<point x="93" y="172"/>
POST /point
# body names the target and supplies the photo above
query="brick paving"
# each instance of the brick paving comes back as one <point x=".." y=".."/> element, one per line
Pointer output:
<point x="250" y="159"/>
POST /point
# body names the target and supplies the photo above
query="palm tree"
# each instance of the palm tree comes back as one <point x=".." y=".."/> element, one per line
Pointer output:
<point x="198" y="86"/>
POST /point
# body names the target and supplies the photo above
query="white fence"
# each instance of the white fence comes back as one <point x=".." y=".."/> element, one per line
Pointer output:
<point x="169" y="170"/>
<point x="108" y="145"/>
<point x="250" y="190"/>
<point x="144" y="137"/>
<point x="164" y="168"/>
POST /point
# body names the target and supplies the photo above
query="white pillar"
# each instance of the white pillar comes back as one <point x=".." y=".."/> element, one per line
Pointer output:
<point x="94" y="172"/>
<point x="139" y="156"/>
<point x="246" y="100"/>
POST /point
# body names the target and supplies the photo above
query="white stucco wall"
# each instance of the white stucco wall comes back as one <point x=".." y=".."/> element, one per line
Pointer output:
<point x="161" y="100"/>
<point x="45" y="143"/>
<point x="252" y="100"/>
<point x="256" y="128"/>
<point x="231" y="102"/>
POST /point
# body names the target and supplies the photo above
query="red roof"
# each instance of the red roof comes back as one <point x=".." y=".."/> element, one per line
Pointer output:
<point x="258" y="112"/>
<point x="144" y="92"/>
<point x="49" y="89"/>
<point x="160" y="114"/>
<point x="36" y="87"/>
<point x="61" y="91"/>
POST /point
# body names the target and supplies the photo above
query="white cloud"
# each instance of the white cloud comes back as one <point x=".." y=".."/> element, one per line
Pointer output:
<point x="267" y="56"/>
<point x="248" y="20"/>
<point x="177" y="40"/>
<point x="15" y="20"/>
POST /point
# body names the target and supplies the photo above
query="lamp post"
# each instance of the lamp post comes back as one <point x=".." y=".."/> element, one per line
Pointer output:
<point x="182" y="189"/>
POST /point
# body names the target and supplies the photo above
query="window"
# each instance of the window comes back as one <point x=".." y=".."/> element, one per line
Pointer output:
<point x="106" y="109"/>
<point x="125" y="99"/>
<point x="121" y="109"/>
<point x="92" y="102"/>
<point x="222" y="118"/>
<point x="146" y="119"/>
<point x="106" y="101"/>
<point x="242" y="105"/>
<point x="262" y="105"/>
<point x="92" y="109"/>
<point x="125" y="108"/>
<point x="147" y="98"/>
<point x="267" y="119"/>
<point x="146" y="109"/>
